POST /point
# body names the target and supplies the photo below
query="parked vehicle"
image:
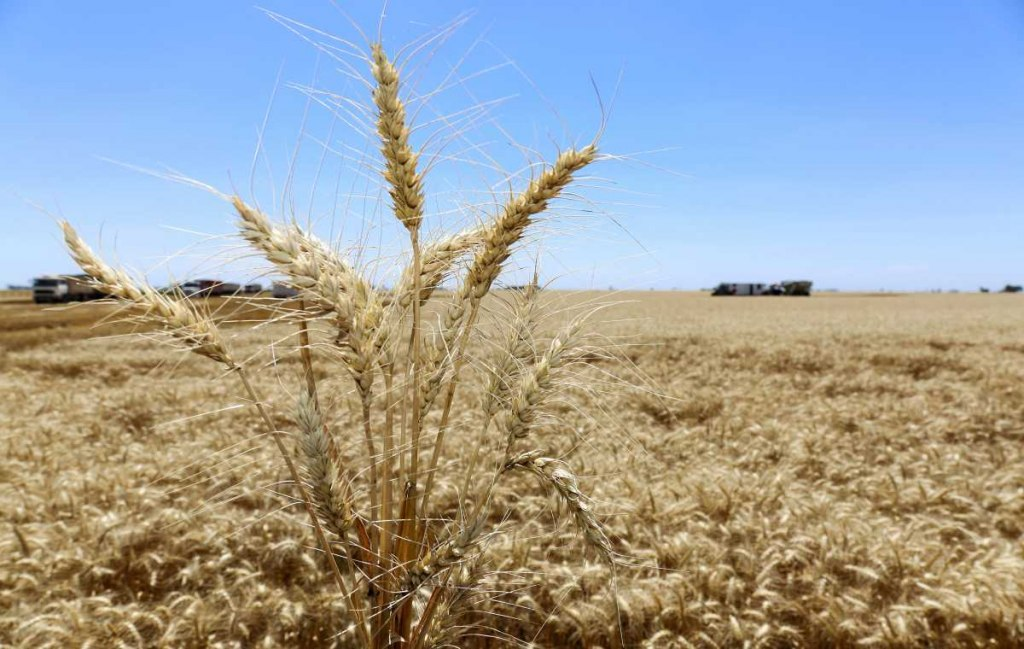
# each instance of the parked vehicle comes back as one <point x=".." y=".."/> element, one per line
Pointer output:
<point x="64" y="288"/>
<point x="787" y="287"/>
<point x="252" y="289"/>
<point x="283" y="291"/>
<point x="208" y="288"/>
<point x="739" y="288"/>
<point x="801" y="287"/>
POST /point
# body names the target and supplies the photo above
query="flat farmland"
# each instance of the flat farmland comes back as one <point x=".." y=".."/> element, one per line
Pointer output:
<point x="834" y="471"/>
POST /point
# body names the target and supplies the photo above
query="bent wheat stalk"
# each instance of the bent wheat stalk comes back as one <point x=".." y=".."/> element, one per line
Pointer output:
<point x="197" y="333"/>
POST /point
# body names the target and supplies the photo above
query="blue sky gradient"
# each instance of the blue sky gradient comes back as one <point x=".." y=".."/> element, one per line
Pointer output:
<point x="863" y="145"/>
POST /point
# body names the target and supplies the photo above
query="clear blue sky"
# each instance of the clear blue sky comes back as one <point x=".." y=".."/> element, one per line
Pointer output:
<point x="862" y="144"/>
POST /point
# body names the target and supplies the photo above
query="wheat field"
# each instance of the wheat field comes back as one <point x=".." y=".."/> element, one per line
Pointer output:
<point x="838" y="471"/>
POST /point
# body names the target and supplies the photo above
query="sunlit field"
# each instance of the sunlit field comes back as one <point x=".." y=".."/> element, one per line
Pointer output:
<point x="834" y="471"/>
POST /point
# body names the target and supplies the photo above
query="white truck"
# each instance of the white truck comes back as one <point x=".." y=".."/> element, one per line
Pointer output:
<point x="64" y="288"/>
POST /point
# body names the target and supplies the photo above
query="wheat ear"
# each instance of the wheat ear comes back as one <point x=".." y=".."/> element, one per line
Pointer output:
<point x="316" y="271"/>
<point x="517" y="353"/>
<point x="503" y="233"/>
<point x="518" y="215"/>
<point x="438" y="355"/>
<point x="558" y="476"/>
<point x="536" y="385"/>
<point x="327" y="483"/>
<point x="405" y="182"/>
<point x="438" y="258"/>
<point x="181" y="320"/>
<point x="442" y="556"/>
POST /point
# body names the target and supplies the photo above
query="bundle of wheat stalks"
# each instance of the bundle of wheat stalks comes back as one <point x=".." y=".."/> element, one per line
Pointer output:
<point x="402" y="569"/>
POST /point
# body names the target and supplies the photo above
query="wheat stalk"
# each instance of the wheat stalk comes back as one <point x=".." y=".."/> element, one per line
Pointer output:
<point x="499" y="238"/>
<point x="329" y="282"/>
<point x="181" y="320"/>
<point x="199" y="334"/>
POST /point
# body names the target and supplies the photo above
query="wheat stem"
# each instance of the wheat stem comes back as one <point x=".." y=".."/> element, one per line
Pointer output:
<point x="306" y="354"/>
<point x="387" y="477"/>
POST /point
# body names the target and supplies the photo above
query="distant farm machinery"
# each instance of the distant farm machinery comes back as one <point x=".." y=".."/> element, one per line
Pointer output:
<point x="788" y="287"/>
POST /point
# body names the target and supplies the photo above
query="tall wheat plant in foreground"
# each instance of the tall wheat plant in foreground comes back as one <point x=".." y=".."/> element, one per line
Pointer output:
<point x="401" y="568"/>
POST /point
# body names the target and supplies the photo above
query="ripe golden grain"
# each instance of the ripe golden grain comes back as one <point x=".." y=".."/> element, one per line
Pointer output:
<point x="865" y="461"/>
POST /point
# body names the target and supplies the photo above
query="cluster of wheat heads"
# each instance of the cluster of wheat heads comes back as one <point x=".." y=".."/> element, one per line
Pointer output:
<point x="403" y="571"/>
